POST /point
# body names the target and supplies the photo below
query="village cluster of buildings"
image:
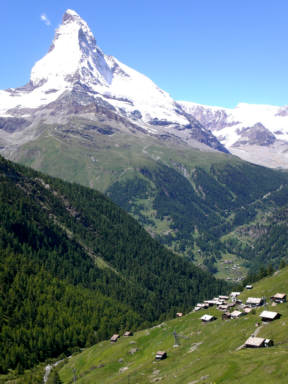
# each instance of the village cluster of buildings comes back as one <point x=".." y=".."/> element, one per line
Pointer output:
<point x="232" y="308"/>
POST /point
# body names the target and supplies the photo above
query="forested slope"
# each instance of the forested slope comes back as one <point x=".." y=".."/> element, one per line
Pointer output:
<point x="74" y="268"/>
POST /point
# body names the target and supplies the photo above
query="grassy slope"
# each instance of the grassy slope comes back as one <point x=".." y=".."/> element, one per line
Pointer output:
<point x="207" y="355"/>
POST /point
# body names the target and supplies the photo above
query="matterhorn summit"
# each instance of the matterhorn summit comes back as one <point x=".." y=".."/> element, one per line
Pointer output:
<point x="76" y="81"/>
<point x="73" y="56"/>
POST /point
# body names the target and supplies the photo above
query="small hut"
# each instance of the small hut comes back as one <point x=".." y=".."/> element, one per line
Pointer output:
<point x="236" y="314"/>
<point x="234" y="294"/>
<point x="179" y="314"/>
<point x="161" y="355"/>
<point x="222" y="297"/>
<point x="226" y="316"/>
<point x="207" y="318"/>
<point x="269" y="315"/>
<point x="254" y="301"/>
<point x="258" y="342"/>
<point x="114" y="338"/>
<point x="128" y="333"/>
<point x="279" y="298"/>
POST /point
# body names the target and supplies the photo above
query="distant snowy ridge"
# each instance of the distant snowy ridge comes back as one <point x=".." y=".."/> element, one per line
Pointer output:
<point x="257" y="133"/>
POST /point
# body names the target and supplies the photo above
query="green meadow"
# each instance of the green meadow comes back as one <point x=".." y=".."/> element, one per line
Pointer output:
<point x="207" y="352"/>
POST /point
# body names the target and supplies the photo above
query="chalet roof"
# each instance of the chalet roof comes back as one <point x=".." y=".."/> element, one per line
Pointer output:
<point x="179" y="314"/>
<point x="234" y="294"/>
<point x="249" y="286"/>
<point x="128" y="333"/>
<point x="255" y="341"/>
<point x="279" y="296"/>
<point x="161" y="353"/>
<point x="221" y="297"/>
<point x="254" y="300"/>
<point x="236" y="314"/>
<point x="211" y="302"/>
<point x="115" y="337"/>
<point x="247" y="310"/>
<point x="269" y="315"/>
<point x="207" y="318"/>
<point x="223" y="307"/>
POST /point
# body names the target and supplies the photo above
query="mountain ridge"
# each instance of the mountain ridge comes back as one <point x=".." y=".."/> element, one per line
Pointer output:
<point x="256" y="133"/>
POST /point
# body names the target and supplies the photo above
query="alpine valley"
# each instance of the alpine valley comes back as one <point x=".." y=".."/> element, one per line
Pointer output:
<point x="76" y="268"/>
<point x="86" y="117"/>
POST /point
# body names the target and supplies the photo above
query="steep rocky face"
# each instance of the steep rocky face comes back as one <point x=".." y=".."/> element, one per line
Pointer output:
<point x="75" y="78"/>
<point x="256" y="135"/>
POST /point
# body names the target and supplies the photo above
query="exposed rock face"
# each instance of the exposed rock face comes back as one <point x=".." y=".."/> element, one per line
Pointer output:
<point x="256" y="135"/>
<point x="12" y="124"/>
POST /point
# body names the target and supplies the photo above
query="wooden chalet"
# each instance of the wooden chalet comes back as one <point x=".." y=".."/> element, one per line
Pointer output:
<point x="269" y="315"/>
<point x="279" y="298"/>
<point x="161" y="355"/>
<point x="226" y="316"/>
<point x="254" y="301"/>
<point x="222" y="297"/>
<point x="210" y="303"/>
<point x="114" y="338"/>
<point x="179" y="314"/>
<point x="236" y="314"/>
<point x="207" y="318"/>
<point x="234" y="294"/>
<point x="128" y="333"/>
<point x="258" y="342"/>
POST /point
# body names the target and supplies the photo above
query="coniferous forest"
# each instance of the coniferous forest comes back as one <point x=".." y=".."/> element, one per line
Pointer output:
<point x="75" y="268"/>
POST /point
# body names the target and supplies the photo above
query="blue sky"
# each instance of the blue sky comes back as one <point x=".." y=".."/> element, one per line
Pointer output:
<point x="214" y="52"/>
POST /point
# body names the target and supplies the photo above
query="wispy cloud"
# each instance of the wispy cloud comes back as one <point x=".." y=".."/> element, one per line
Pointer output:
<point x="45" y="19"/>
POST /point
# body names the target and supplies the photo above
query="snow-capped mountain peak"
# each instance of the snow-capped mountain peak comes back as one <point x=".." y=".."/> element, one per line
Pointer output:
<point x="72" y="55"/>
<point x="75" y="76"/>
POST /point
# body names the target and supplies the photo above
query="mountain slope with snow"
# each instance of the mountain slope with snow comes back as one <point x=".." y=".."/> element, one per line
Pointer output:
<point x="76" y="70"/>
<point x="76" y="84"/>
<point x="257" y="133"/>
